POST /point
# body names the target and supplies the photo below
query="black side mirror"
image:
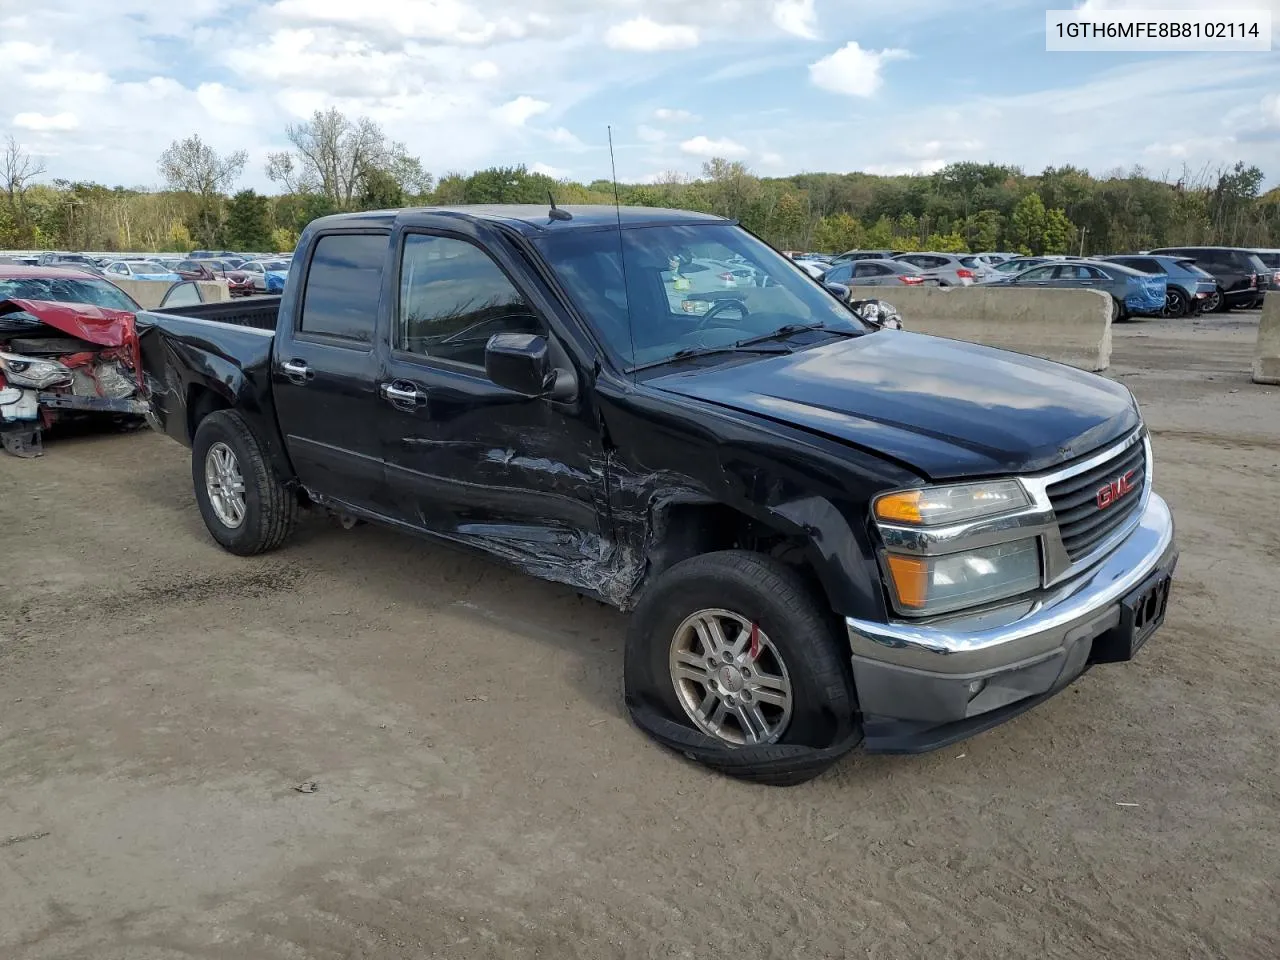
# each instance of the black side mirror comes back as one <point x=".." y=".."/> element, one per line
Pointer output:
<point x="837" y="290"/>
<point x="518" y="361"/>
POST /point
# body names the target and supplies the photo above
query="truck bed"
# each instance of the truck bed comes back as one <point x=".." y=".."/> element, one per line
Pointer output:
<point x="257" y="312"/>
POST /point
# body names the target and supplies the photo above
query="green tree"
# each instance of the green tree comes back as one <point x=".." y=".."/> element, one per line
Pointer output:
<point x="248" y="222"/>
<point x="837" y="233"/>
<point x="983" y="230"/>
<point x="379" y="190"/>
<point x="788" y="222"/>
<point x="947" y="243"/>
<point x="1058" y="233"/>
<point x="880" y="235"/>
<point x="1026" y="226"/>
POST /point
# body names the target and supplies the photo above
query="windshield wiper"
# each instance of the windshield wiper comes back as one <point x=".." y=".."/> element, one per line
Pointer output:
<point x="790" y="328"/>
<point x="689" y="353"/>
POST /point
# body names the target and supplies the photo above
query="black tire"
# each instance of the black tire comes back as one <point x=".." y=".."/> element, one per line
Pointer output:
<point x="1117" y="311"/>
<point x="1216" y="302"/>
<point x="271" y="509"/>
<point x="1175" y="303"/>
<point x="824" y="723"/>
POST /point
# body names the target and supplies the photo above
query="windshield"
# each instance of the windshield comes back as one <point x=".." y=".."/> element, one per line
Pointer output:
<point x="149" y="266"/>
<point x="1270" y="260"/>
<point x="276" y="265"/>
<point x="686" y="287"/>
<point x="100" y="293"/>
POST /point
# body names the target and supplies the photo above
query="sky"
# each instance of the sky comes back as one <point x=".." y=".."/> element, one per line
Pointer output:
<point x="99" y="89"/>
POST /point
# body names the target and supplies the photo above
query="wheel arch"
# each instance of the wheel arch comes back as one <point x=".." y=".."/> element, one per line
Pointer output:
<point x="809" y="535"/>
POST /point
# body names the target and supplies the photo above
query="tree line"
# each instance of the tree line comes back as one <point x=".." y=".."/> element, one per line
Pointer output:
<point x="341" y="164"/>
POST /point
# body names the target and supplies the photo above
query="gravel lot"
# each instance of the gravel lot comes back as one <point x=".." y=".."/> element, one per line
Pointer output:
<point x="480" y="792"/>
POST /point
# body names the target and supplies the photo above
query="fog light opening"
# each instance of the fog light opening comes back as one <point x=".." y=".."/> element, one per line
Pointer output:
<point x="976" y="687"/>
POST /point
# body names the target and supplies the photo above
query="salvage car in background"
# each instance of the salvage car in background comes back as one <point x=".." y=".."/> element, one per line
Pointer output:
<point x="876" y="273"/>
<point x="948" y="269"/>
<point x="1132" y="293"/>
<point x="1242" y="278"/>
<point x="67" y="350"/>
<point x="61" y="361"/>
<point x="140" y="270"/>
<point x="266" y="276"/>
<point x="1189" y="287"/>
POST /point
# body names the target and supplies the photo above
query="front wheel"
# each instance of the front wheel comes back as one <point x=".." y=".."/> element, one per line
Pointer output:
<point x="1215" y="302"/>
<point x="245" y="506"/>
<point x="732" y="659"/>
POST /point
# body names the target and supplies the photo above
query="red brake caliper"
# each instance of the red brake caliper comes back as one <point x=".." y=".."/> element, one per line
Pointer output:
<point x="755" y="641"/>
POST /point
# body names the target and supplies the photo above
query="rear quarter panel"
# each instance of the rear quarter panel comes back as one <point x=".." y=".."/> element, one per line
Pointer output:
<point x="190" y="365"/>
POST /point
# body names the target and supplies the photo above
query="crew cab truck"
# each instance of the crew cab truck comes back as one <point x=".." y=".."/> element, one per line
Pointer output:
<point x="827" y="534"/>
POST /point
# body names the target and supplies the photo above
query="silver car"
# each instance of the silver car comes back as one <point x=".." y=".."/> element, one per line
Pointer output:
<point x="876" y="273"/>
<point x="949" y="269"/>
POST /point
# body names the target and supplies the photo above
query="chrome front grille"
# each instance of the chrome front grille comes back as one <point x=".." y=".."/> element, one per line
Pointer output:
<point x="1086" y="512"/>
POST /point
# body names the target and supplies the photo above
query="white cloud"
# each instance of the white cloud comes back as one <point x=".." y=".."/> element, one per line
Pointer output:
<point x="797" y="17"/>
<point x="517" y="112"/>
<point x="853" y="71"/>
<point x="68" y="81"/>
<point x="702" y="146"/>
<point x="650" y="134"/>
<point x="39" y="121"/>
<point x="19" y="53"/>
<point x="555" y="173"/>
<point x="648" y="36"/>
<point x="483" y="70"/>
<point x="667" y="115"/>
<point x="562" y="137"/>
<point x="773" y="160"/>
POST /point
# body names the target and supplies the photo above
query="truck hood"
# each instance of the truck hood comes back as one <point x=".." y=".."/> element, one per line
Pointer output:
<point x="947" y="409"/>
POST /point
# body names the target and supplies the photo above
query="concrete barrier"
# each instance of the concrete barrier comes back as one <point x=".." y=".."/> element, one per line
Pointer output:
<point x="149" y="293"/>
<point x="1266" y="356"/>
<point x="1069" y="326"/>
<point x="213" y="291"/>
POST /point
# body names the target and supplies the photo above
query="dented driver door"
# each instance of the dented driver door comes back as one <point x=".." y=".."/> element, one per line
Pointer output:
<point x="466" y="459"/>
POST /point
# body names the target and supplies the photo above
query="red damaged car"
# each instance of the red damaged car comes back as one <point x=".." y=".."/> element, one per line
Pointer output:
<point x="68" y="349"/>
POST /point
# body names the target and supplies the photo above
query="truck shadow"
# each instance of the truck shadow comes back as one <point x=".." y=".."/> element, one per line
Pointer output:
<point x="408" y="571"/>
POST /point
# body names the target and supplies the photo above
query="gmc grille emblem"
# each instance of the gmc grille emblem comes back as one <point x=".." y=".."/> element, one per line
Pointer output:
<point x="1117" y="488"/>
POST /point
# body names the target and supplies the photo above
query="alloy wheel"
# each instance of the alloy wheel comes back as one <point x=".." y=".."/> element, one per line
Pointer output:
<point x="730" y="678"/>
<point x="225" y="485"/>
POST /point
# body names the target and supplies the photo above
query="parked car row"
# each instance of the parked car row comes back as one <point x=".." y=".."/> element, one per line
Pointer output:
<point x="1172" y="282"/>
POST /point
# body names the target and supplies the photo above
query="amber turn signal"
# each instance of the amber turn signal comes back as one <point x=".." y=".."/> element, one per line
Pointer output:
<point x="910" y="579"/>
<point x="900" y="507"/>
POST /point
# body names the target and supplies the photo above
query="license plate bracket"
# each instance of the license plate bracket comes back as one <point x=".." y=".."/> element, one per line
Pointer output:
<point x="1141" y="613"/>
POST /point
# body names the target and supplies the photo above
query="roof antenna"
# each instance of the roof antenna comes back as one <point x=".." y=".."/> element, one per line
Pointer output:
<point x="555" y="213"/>
<point x="622" y="249"/>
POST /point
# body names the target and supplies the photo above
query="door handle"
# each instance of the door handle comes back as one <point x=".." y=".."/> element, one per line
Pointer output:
<point x="297" y="371"/>
<point x="403" y="394"/>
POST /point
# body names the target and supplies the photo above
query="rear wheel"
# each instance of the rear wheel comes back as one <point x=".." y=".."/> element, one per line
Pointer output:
<point x="735" y="648"/>
<point x="1175" y="303"/>
<point x="244" y="504"/>
<point x="1117" y="311"/>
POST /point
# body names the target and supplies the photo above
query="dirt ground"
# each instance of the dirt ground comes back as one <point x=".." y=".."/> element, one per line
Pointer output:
<point x="480" y="792"/>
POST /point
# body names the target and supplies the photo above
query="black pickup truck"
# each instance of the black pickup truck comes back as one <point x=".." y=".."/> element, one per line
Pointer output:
<point x="827" y="533"/>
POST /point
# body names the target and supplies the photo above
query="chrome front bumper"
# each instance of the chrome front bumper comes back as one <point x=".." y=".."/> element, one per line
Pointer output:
<point x="961" y="667"/>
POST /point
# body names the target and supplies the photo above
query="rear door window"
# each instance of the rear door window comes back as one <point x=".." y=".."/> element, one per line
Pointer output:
<point x="344" y="282"/>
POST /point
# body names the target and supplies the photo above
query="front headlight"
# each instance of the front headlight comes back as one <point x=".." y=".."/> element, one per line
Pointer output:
<point x="939" y="556"/>
<point x="30" y="372"/>
<point x="932" y="506"/>
<point x="934" y="585"/>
